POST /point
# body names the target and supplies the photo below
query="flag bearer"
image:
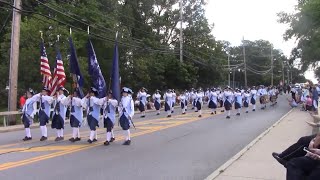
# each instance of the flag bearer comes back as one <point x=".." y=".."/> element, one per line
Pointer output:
<point x="142" y="96"/>
<point x="28" y="111"/>
<point x="44" y="111"/>
<point x="76" y="116"/>
<point x="126" y="112"/>
<point x="238" y="101"/>
<point x="109" y="114"/>
<point x="213" y="100"/>
<point x="168" y="102"/>
<point x="157" y="101"/>
<point x="60" y="111"/>
<point x="93" y="105"/>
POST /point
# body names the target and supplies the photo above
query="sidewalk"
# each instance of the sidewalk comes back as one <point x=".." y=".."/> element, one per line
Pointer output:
<point x="257" y="162"/>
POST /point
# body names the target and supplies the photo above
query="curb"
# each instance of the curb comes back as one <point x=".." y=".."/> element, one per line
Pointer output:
<point x="223" y="167"/>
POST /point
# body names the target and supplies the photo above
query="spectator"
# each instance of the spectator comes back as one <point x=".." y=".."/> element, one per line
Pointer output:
<point x="315" y="97"/>
<point x="22" y="100"/>
<point x="308" y="104"/>
<point x="292" y="103"/>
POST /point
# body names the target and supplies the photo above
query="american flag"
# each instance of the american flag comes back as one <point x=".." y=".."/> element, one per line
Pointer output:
<point x="45" y="67"/>
<point x="59" y="76"/>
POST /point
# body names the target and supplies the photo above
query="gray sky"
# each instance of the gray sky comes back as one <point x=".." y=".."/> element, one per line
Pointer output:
<point x="251" y="19"/>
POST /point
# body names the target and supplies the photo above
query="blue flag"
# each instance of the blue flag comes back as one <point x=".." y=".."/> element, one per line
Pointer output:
<point x="77" y="77"/>
<point x="115" y="77"/>
<point x="97" y="78"/>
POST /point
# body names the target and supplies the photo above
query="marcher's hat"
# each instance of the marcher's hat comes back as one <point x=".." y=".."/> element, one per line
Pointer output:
<point x="46" y="89"/>
<point x="127" y="90"/>
<point x="31" y="91"/>
<point x="94" y="91"/>
<point x="63" y="89"/>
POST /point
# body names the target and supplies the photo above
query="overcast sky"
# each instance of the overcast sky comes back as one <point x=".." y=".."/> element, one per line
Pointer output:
<point x="251" y="19"/>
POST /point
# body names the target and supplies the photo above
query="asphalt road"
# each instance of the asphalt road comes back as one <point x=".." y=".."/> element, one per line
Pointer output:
<point x="181" y="147"/>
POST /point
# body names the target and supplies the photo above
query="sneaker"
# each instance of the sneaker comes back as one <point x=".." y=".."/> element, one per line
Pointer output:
<point x="127" y="142"/>
<point x="112" y="139"/>
<point x="106" y="143"/>
<point x="43" y="138"/>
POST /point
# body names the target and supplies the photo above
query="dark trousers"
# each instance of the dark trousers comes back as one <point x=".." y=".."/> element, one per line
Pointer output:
<point x="296" y="149"/>
<point x="303" y="168"/>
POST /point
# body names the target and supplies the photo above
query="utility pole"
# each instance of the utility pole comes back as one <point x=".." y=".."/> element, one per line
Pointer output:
<point x="229" y="69"/>
<point x="181" y="38"/>
<point x="282" y="73"/>
<point x="271" y="57"/>
<point x="14" y="59"/>
<point x="244" y="61"/>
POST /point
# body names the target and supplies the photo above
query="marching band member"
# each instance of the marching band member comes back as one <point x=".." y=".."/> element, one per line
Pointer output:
<point x="44" y="111"/>
<point x="221" y="98"/>
<point x="182" y="99"/>
<point x="157" y="101"/>
<point x="199" y="101"/>
<point x="187" y="95"/>
<point x="126" y="112"/>
<point x="174" y="97"/>
<point x="262" y="93"/>
<point x="76" y="116"/>
<point x="93" y="105"/>
<point x="227" y="96"/>
<point x="109" y="114"/>
<point x="60" y="111"/>
<point x="246" y="100"/>
<point x="238" y="101"/>
<point x="193" y="98"/>
<point x="28" y="111"/>
<point x="168" y="102"/>
<point x="213" y="100"/>
<point x="142" y="96"/>
<point x="253" y="93"/>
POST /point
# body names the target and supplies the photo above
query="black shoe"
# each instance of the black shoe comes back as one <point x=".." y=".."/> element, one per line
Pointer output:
<point x="158" y="114"/>
<point x="43" y="138"/>
<point x="89" y="141"/>
<point x="172" y="111"/>
<point x="77" y="139"/>
<point x="253" y="109"/>
<point x="238" y="114"/>
<point x="142" y="116"/>
<point x="169" y="116"/>
<point x="72" y="139"/>
<point x="279" y="159"/>
<point x="247" y="112"/>
<point x="57" y="139"/>
<point x="195" y="111"/>
<point x="112" y="139"/>
<point x="215" y="112"/>
<point x="228" y="117"/>
<point x="95" y="140"/>
<point x="200" y="116"/>
<point x="212" y="113"/>
<point x="222" y="110"/>
<point x="106" y="143"/>
<point x="183" y="113"/>
<point x="127" y="142"/>
<point x="27" y="138"/>
<point x="61" y="138"/>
